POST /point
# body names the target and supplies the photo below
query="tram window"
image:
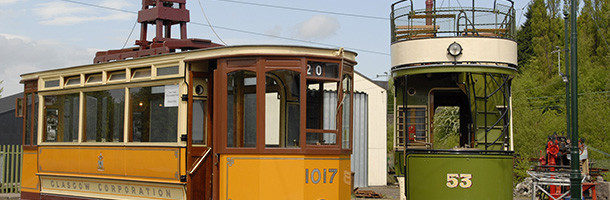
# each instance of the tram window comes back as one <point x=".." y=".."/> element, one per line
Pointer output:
<point x="61" y="117"/>
<point x="164" y="71"/>
<point x="282" y="109"/>
<point x="116" y="75"/>
<point x="104" y="111"/>
<point x="345" y="130"/>
<point x="51" y="83"/>
<point x="241" y="109"/>
<point x="199" y="122"/>
<point x="321" y="112"/>
<point x="151" y="120"/>
<point x="28" y="121"/>
<point x="94" y="78"/>
<point x="74" y="80"/>
<point x="141" y="73"/>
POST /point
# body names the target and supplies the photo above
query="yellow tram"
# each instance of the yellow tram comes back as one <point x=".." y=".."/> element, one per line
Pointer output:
<point x="235" y="122"/>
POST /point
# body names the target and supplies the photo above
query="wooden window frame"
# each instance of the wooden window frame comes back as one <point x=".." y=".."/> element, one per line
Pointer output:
<point x="261" y="65"/>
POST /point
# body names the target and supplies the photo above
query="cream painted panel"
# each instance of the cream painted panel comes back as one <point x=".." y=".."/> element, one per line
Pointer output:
<point x="435" y="50"/>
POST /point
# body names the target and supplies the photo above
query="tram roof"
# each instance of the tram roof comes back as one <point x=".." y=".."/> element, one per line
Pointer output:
<point x="214" y="53"/>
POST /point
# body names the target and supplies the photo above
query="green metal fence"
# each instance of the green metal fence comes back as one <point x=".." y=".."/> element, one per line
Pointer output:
<point x="10" y="168"/>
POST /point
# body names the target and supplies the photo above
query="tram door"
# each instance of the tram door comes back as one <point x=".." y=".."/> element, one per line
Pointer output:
<point x="199" y="137"/>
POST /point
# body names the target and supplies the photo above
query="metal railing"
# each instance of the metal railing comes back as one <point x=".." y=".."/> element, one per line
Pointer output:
<point x="10" y="168"/>
<point x="407" y="23"/>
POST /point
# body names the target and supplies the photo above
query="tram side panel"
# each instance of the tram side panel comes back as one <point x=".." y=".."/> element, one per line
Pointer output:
<point x="458" y="176"/>
<point x="30" y="185"/>
<point x="284" y="177"/>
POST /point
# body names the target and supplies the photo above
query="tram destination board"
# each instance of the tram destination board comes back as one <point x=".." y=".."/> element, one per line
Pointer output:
<point x="322" y="69"/>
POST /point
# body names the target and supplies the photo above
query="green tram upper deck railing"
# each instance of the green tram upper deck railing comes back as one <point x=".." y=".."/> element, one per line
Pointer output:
<point x="407" y="23"/>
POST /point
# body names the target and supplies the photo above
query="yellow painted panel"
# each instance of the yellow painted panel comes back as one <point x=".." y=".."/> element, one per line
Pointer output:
<point x="149" y="162"/>
<point x="106" y="161"/>
<point x="161" y="163"/>
<point x="284" y="177"/>
<point x="56" y="159"/>
<point x="29" y="180"/>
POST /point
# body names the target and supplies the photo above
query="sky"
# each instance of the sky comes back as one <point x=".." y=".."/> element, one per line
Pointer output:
<point x="41" y="35"/>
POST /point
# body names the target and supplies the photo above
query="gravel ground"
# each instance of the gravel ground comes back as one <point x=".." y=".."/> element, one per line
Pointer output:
<point x="388" y="192"/>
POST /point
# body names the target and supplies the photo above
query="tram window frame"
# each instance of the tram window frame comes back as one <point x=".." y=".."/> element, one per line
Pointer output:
<point x="262" y="65"/>
<point x="72" y="81"/>
<point x="93" y="79"/>
<point x="30" y="90"/>
<point x="49" y="105"/>
<point x="104" y="124"/>
<point x="334" y="130"/>
<point x="171" y="137"/>
<point x="141" y="73"/>
<point x="283" y="116"/>
<point x="232" y="129"/>
<point x="347" y="111"/>
<point x="114" y="76"/>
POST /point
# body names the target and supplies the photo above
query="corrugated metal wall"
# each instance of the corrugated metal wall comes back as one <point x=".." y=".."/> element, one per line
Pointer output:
<point x="359" y="161"/>
<point x="360" y="149"/>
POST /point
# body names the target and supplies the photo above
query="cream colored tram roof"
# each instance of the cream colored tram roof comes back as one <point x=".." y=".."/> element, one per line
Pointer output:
<point x="200" y="54"/>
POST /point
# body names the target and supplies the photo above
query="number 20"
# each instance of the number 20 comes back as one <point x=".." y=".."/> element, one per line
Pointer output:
<point x="464" y="182"/>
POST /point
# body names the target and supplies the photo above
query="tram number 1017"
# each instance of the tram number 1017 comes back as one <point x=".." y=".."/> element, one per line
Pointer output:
<point x="316" y="175"/>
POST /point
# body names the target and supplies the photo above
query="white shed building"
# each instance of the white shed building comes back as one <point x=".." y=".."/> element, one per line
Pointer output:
<point x="369" y="157"/>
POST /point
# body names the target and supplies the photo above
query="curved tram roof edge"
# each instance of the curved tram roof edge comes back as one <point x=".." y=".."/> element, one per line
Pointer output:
<point x="212" y="53"/>
<point x="448" y="68"/>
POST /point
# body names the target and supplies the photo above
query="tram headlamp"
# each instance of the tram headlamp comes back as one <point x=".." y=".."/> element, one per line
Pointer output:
<point x="454" y="49"/>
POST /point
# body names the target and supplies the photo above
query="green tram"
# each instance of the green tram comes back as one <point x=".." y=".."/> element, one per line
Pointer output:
<point x="454" y="65"/>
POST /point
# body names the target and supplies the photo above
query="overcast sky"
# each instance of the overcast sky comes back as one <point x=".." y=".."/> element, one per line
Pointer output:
<point x="40" y="35"/>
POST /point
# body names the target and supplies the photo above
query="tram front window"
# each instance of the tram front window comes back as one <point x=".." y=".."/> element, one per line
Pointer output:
<point x="346" y="105"/>
<point x="151" y="119"/>
<point x="282" y="108"/>
<point x="241" y="109"/>
<point x="321" y="112"/>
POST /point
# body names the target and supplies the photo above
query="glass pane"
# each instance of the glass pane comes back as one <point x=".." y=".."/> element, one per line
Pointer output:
<point x="322" y="138"/>
<point x="35" y="120"/>
<point x="61" y="118"/>
<point x="73" y="81"/>
<point x="282" y="109"/>
<point x="96" y="78"/>
<point x="151" y="120"/>
<point x="241" y="109"/>
<point x="346" y="118"/>
<point x="321" y="105"/>
<point x="199" y="121"/>
<point x="167" y="71"/>
<point x="28" y="118"/>
<point x="53" y="83"/>
<point x="104" y="111"/>
<point x="115" y="76"/>
<point x="141" y="73"/>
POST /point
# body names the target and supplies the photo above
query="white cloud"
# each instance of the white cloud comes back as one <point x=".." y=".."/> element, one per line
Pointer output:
<point x="275" y="31"/>
<point x="318" y="27"/>
<point x="64" y="13"/>
<point x="22" y="55"/>
<point x="6" y="2"/>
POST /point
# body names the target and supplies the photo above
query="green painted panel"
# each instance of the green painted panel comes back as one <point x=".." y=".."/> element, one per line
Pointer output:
<point x="427" y="176"/>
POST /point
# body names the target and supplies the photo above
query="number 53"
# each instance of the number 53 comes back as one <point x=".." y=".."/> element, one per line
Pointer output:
<point x="464" y="182"/>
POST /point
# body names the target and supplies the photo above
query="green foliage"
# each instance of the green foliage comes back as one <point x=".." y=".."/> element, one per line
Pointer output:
<point x="447" y="127"/>
<point x="539" y="102"/>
